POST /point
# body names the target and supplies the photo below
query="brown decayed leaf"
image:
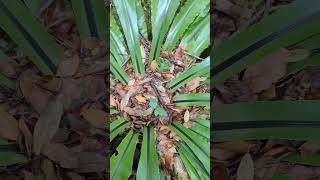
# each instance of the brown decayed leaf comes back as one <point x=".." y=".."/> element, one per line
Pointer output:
<point x="47" y="124"/>
<point x="97" y="117"/>
<point x="60" y="154"/>
<point x="179" y="169"/>
<point x="75" y="176"/>
<point x="153" y="65"/>
<point x="9" y="126"/>
<point x="309" y="148"/>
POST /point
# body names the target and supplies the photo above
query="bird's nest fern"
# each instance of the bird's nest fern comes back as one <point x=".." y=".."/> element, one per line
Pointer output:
<point x="160" y="90"/>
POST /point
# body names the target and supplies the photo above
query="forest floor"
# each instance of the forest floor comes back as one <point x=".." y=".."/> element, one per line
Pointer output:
<point x="56" y="125"/>
<point x="230" y="17"/>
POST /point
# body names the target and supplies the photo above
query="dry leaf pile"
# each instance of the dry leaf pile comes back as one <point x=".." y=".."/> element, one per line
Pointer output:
<point x="266" y="80"/>
<point x="58" y="122"/>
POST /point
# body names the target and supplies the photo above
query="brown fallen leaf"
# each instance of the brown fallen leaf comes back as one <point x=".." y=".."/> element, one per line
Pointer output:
<point x="264" y="73"/>
<point x="68" y="67"/>
<point x="47" y="124"/>
<point x="153" y="65"/>
<point x="91" y="162"/>
<point x="60" y="154"/>
<point x="96" y="117"/>
<point x="9" y="126"/>
<point x="141" y="99"/>
<point x="35" y="95"/>
<point x="113" y="101"/>
<point x="309" y="148"/>
<point x="192" y="85"/>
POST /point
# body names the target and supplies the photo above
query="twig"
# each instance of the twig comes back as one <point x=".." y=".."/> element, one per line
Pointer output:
<point x="193" y="56"/>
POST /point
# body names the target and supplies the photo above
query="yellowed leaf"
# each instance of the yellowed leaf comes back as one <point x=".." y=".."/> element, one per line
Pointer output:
<point x="96" y="117"/>
<point x="153" y="65"/>
<point x="141" y="99"/>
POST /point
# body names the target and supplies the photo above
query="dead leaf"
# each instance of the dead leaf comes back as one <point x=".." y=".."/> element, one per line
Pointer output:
<point x="49" y="170"/>
<point x="246" y="168"/>
<point x="186" y="116"/>
<point x="47" y="124"/>
<point x="36" y="96"/>
<point x="91" y="162"/>
<point x="75" y="176"/>
<point x="96" y="117"/>
<point x="153" y="65"/>
<point x="68" y="67"/>
<point x="240" y="147"/>
<point x="113" y="101"/>
<point x="192" y="85"/>
<point x="264" y="73"/>
<point x="60" y="154"/>
<point x="310" y="148"/>
<point x="141" y="99"/>
<point x="9" y="126"/>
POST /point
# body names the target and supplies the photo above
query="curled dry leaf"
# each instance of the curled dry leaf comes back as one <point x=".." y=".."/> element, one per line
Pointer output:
<point x="96" y="117"/>
<point x="60" y="154"/>
<point x="192" y="85"/>
<point x="9" y="126"/>
<point x="47" y="124"/>
<point x="186" y="116"/>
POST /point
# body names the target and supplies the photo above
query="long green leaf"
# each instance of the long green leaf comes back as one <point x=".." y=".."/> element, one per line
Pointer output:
<point x="129" y="21"/>
<point x="185" y="77"/>
<point x="186" y="16"/>
<point x="294" y="120"/>
<point x="8" y="158"/>
<point x="200" y="146"/>
<point x="24" y="29"/>
<point x="163" y="12"/>
<point x="148" y="167"/>
<point x="121" y="163"/>
<point x="192" y="99"/>
<point x="37" y="6"/>
<point x="4" y="81"/>
<point x="197" y="37"/>
<point x="194" y="167"/>
<point x="117" y="70"/>
<point x="91" y="18"/>
<point x="250" y="46"/>
<point x="117" y="45"/>
<point x="117" y="127"/>
<point x="201" y="127"/>
<point x="141" y="20"/>
<point x="295" y="158"/>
